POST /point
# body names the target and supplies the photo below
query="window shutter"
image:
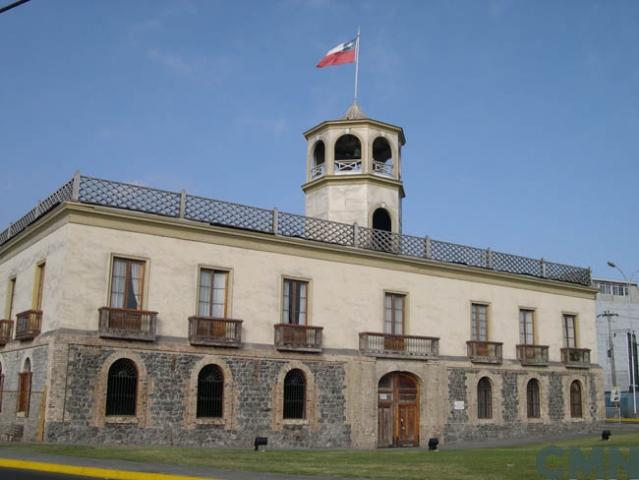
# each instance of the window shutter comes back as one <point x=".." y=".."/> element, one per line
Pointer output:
<point x="27" y="396"/>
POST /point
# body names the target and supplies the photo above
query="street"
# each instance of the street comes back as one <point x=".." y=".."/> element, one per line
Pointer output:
<point x="11" y="474"/>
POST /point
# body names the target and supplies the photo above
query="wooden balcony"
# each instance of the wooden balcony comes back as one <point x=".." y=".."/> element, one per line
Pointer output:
<point x="576" y="357"/>
<point x="532" y="354"/>
<point x="398" y="346"/>
<point x="300" y="338"/>
<point x="28" y="324"/>
<point x="484" y="352"/>
<point x="6" y="327"/>
<point x="127" y="324"/>
<point x="215" y="332"/>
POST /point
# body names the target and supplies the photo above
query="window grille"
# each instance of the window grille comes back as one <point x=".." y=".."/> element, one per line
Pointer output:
<point x="532" y="395"/>
<point x="122" y="388"/>
<point x="294" y="395"/>
<point x="24" y="389"/>
<point x="210" y="392"/>
<point x="484" y="399"/>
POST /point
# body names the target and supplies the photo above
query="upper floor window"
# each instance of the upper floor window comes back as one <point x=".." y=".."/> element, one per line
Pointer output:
<point x="484" y="399"/>
<point x="122" y="386"/>
<point x="127" y="283"/>
<point x="213" y="291"/>
<point x="532" y="399"/>
<point x="11" y="293"/>
<point x="394" y="313"/>
<point x="612" y="288"/>
<point x="24" y="389"/>
<point x="479" y="322"/>
<point x="210" y="392"/>
<point x="294" y="302"/>
<point x="39" y="286"/>
<point x="570" y="339"/>
<point x="294" y="395"/>
<point x="526" y="327"/>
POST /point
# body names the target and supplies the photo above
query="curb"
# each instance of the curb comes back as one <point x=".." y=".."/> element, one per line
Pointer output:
<point x="92" y="471"/>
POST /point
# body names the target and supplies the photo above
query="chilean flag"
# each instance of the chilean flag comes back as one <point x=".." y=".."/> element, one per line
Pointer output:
<point x="343" y="53"/>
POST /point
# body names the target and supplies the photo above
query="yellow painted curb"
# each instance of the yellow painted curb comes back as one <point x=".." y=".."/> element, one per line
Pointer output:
<point x="92" y="471"/>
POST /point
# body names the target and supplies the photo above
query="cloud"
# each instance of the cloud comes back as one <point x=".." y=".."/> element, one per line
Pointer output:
<point x="171" y="61"/>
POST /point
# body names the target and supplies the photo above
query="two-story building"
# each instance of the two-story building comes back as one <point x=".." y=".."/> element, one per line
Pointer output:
<point x="147" y="316"/>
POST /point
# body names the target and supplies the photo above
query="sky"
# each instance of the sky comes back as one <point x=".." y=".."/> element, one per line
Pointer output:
<point x="521" y="117"/>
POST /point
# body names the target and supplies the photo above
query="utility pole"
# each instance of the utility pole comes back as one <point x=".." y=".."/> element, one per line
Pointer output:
<point x="611" y="346"/>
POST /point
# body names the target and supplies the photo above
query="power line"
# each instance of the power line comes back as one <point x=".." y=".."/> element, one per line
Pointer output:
<point x="12" y="5"/>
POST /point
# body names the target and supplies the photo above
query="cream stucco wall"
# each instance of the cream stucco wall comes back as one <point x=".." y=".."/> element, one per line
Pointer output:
<point x="345" y="297"/>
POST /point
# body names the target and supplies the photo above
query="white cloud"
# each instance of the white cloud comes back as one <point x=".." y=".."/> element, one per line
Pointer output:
<point x="169" y="60"/>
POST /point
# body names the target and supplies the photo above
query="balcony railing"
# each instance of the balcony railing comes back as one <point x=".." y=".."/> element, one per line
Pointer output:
<point x="532" y="354"/>
<point x="300" y="338"/>
<point x="398" y="346"/>
<point x="576" y="357"/>
<point x="383" y="168"/>
<point x="318" y="170"/>
<point x="127" y="324"/>
<point x="215" y="332"/>
<point x="6" y="326"/>
<point x="28" y="324"/>
<point x="484" y="352"/>
<point x="347" y="166"/>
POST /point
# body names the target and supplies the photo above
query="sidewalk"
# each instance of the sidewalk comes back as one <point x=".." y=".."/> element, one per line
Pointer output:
<point x="124" y="470"/>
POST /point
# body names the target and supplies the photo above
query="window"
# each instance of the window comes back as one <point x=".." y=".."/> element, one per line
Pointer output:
<point x="479" y="322"/>
<point x="532" y="397"/>
<point x="484" y="399"/>
<point x="24" y="389"/>
<point x="39" y="286"/>
<point x="294" y="302"/>
<point x="569" y="331"/>
<point x="212" y="298"/>
<point x="127" y="284"/>
<point x="526" y="330"/>
<point x="575" y="399"/>
<point x="210" y="392"/>
<point x="122" y="388"/>
<point x="608" y="288"/>
<point x="294" y="395"/>
<point x="394" y="304"/>
<point x="1" y="385"/>
<point x="11" y="293"/>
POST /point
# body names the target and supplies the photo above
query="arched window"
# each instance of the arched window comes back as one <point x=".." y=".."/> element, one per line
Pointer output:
<point x="318" y="153"/>
<point x="382" y="157"/>
<point x="532" y="397"/>
<point x="575" y="400"/>
<point x="381" y="220"/>
<point x="210" y="392"/>
<point x="294" y="395"/>
<point x="484" y="399"/>
<point x="1" y="385"/>
<point x="24" y="388"/>
<point x="348" y="147"/>
<point x="122" y="388"/>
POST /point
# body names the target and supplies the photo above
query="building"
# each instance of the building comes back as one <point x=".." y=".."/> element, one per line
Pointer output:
<point x="146" y="316"/>
<point x="619" y="330"/>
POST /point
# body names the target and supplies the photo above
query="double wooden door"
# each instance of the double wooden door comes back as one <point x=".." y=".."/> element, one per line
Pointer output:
<point x="398" y="411"/>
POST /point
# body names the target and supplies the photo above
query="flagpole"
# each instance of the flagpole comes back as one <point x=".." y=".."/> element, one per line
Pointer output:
<point x="356" y="67"/>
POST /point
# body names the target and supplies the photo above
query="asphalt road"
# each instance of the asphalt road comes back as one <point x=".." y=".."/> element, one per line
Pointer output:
<point x="10" y="474"/>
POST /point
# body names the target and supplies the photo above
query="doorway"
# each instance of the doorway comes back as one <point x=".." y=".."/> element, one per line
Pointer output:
<point x="398" y="411"/>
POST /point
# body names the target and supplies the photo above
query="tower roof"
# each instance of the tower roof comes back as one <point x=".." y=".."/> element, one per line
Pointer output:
<point x="354" y="113"/>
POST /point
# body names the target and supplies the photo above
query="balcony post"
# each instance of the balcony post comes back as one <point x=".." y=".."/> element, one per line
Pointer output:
<point x="75" y="188"/>
<point x="427" y="247"/>
<point x="489" y="258"/>
<point x="355" y="235"/>
<point x="542" y="266"/>
<point x="275" y="221"/>
<point x="182" y="203"/>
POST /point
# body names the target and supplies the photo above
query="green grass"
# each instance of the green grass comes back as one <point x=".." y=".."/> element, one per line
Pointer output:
<point x="517" y="463"/>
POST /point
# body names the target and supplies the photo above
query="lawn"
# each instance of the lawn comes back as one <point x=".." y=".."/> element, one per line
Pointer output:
<point x="517" y="463"/>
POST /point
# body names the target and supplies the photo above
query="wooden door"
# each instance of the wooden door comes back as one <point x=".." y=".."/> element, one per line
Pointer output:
<point x="398" y="411"/>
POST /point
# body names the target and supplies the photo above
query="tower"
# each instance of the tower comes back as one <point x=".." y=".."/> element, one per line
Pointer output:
<point x="353" y="171"/>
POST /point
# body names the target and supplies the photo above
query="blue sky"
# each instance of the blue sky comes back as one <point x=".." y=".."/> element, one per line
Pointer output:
<point x="521" y="117"/>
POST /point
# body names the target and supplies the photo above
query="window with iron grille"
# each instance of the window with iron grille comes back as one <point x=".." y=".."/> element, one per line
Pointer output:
<point x="212" y="295"/>
<point x="526" y="327"/>
<point x="394" y="313"/>
<point x="127" y="284"/>
<point x="570" y="340"/>
<point x="294" y="302"/>
<point x="479" y="322"/>
<point x="294" y="395"/>
<point x="575" y="400"/>
<point x="122" y="386"/>
<point x="532" y="397"/>
<point x="210" y="392"/>
<point x="24" y="389"/>
<point x="484" y="399"/>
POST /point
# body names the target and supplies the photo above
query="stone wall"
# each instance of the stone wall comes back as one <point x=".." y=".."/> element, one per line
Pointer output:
<point x="12" y="362"/>
<point x="253" y="393"/>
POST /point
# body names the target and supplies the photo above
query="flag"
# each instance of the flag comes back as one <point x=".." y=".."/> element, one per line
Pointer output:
<point x="343" y="53"/>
